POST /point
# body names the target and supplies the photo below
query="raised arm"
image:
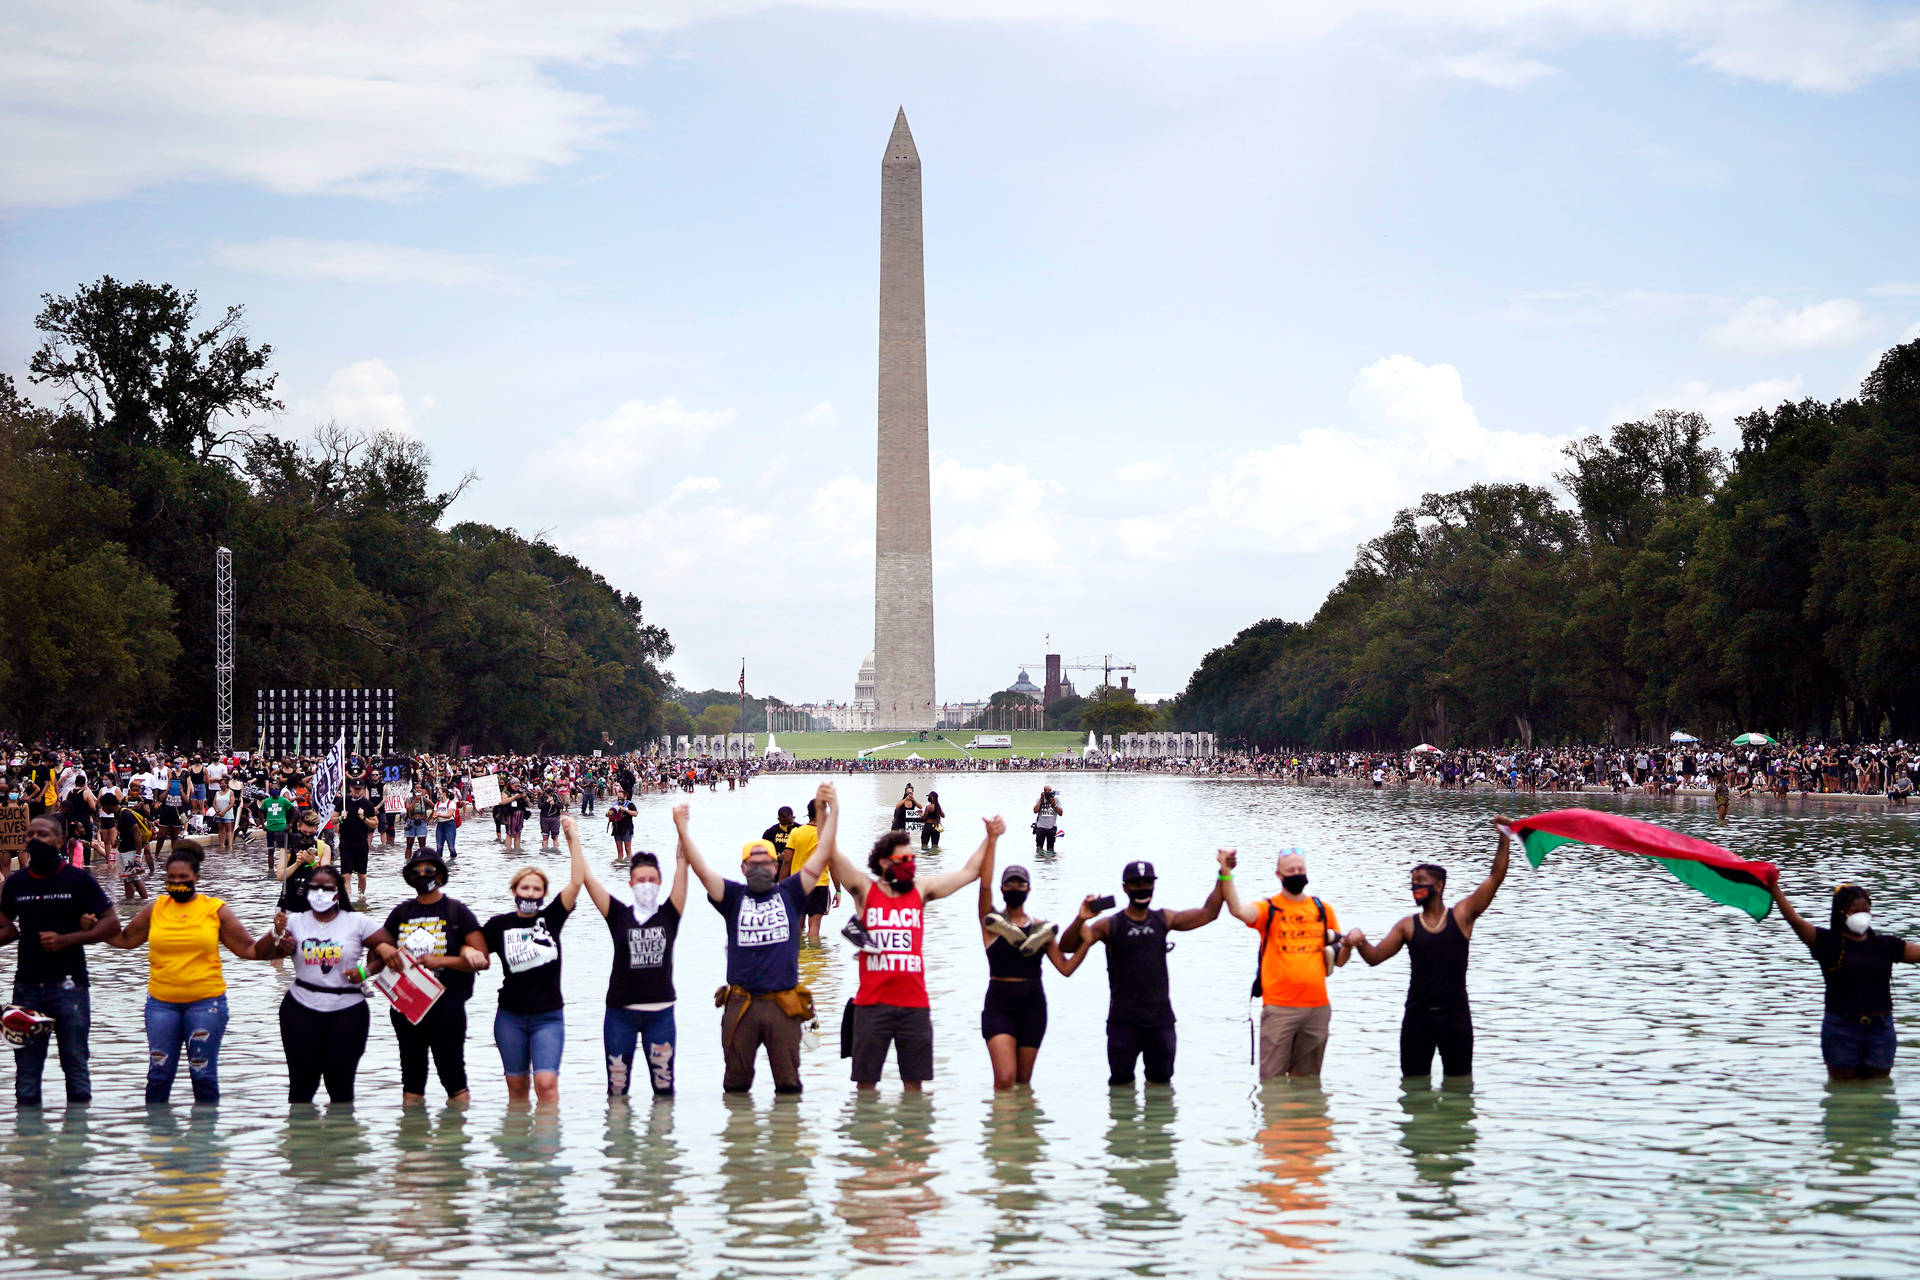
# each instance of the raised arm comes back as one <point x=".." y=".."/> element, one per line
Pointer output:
<point x="578" y="864"/>
<point x="826" y="808"/>
<point x="1475" y="904"/>
<point x="1246" y="912"/>
<point x="1080" y="929"/>
<point x="960" y="877"/>
<point x="1388" y="946"/>
<point x="678" y="894"/>
<point x="1801" y="928"/>
<point x="986" y="886"/>
<point x="845" y="874"/>
<point x="1204" y="914"/>
<point x="716" y="885"/>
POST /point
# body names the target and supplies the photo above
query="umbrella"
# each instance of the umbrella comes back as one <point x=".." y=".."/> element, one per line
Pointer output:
<point x="1426" y="748"/>
<point x="1681" y="735"/>
<point x="1754" y="740"/>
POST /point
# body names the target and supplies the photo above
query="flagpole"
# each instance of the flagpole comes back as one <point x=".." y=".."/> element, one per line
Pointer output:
<point x="741" y="722"/>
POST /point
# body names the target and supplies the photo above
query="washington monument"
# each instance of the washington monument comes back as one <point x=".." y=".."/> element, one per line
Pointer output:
<point x="903" y="534"/>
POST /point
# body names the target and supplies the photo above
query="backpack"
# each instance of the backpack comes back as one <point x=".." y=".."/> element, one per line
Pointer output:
<point x="142" y="829"/>
<point x="1266" y="931"/>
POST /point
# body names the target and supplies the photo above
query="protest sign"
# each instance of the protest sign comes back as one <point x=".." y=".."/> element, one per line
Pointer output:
<point x="486" y="791"/>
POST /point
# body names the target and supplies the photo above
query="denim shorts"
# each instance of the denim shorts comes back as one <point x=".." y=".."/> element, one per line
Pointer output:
<point x="1848" y="1044"/>
<point x="530" y="1041"/>
<point x="416" y="830"/>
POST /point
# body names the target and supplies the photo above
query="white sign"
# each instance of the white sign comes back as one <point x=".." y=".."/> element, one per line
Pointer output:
<point x="486" y="791"/>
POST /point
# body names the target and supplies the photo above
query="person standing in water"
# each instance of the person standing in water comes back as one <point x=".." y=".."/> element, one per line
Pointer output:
<point x="640" y="998"/>
<point x="530" y="1026"/>
<point x="1140" y="1022"/>
<point x="1437" y="936"/>
<point x="1857" y="1035"/>
<point x="1300" y="946"/>
<point x="890" y="1009"/>
<point x="1046" y="820"/>
<point x="441" y="934"/>
<point x="1014" y="1020"/>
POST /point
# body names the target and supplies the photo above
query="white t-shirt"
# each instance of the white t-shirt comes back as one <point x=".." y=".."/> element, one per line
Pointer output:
<point x="216" y="771"/>
<point x="323" y="951"/>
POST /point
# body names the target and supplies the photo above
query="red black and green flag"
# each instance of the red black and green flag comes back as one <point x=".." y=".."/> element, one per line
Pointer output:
<point x="1703" y="865"/>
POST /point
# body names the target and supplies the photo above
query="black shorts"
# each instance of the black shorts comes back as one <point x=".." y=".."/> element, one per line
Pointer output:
<point x="908" y="1031"/>
<point x="277" y="839"/>
<point x="818" y="900"/>
<point x="1153" y="1047"/>
<point x="1017" y="1009"/>
<point x="353" y="860"/>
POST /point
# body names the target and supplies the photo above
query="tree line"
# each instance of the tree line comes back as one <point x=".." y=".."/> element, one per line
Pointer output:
<point x="1675" y="587"/>
<point x="112" y="508"/>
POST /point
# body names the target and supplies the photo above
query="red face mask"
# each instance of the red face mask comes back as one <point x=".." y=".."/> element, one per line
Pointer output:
<point x="900" y="871"/>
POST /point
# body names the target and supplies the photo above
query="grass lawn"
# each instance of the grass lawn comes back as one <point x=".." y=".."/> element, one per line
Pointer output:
<point x="941" y="744"/>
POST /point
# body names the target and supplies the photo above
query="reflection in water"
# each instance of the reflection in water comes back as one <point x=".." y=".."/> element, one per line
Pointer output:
<point x="432" y="1165"/>
<point x="1296" y="1141"/>
<point x="767" y="1152"/>
<point x="888" y="1191"/>
<point x="1141" y="1167"/>
<point x="183" y="1211"/>
<point x="523" y="1188"/>
<point x="328" y="1156"/>
<point x="1857" y="1122"/>
<point x="1015" y="1144"/>
<point x="645" y="1165"/>
<point x="1437" y="1130"/>
<point x="53" y="1204"/>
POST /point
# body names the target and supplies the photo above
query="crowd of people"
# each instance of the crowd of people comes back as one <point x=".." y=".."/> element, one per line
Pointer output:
<point x="122" y="817"/>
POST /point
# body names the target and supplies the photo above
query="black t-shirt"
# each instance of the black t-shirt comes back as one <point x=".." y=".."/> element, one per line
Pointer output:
<point x="529" y="951"/>
<point x="54" y="903"/>
<point x="129" y="828"/>
<point x="353" y="831"/>
<point x="435" y="929"/>
<point x="1858" y="971"/>
<point x="642" y="954"/>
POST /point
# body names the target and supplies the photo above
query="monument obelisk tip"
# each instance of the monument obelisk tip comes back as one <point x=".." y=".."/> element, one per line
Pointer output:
<point x="900" y="144"/>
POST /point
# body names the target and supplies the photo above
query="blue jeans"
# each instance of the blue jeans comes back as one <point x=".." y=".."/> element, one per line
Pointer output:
<point x="530" y="1042"/>
<point x="1849" y="1044"/>
<point x="72" y="1014"/>
<point x="199" y="1025"/>
<point x="443" y="836"/>
<point x="627" y="1029"/>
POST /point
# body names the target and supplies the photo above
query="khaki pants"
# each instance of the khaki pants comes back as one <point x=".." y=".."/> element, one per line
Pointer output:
<point x="744" y="1027"/>
<point x="1293" y="1040"/>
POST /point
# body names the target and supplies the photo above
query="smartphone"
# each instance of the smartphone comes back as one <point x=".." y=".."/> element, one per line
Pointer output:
<point x="1107" y="903"/>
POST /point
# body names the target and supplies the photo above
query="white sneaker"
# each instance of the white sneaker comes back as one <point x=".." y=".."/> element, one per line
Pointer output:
<point x="1001" y="927"/>
<point x="1038" y="938"/>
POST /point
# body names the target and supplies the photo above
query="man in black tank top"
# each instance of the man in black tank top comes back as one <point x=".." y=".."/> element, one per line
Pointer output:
<point x="1140" y="1005"/>
<point x="1437" y="937"/>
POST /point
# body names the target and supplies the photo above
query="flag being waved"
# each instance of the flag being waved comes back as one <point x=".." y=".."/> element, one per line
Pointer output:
<point x="1699" y="863"/>
<point x="328" y="777"/>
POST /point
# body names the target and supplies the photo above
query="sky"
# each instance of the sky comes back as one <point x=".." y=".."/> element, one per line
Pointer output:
<point x="1213" y="288"/>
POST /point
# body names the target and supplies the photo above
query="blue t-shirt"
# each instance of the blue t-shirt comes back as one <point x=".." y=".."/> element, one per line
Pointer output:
<point x="763" y="935"/>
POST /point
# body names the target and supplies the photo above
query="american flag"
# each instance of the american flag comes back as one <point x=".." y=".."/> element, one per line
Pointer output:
<point x="328" y="777"/>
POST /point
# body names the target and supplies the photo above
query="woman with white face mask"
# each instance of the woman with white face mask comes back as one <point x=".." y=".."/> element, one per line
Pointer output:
<point x="324" y="1015"/>
<point x="639" y="1022"/>
<point x="530" y="1027"/>
<point x="1857" y="1035"/>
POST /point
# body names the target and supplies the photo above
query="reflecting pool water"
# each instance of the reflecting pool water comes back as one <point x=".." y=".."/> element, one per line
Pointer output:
<point x="1648" y="1098"/>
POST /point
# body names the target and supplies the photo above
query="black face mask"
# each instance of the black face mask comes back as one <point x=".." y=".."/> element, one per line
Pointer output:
<point x="1139" y="897"/>
<point x="422" y="881"/>
<point x="1422" y="893"/>
<point x="1293" y="884"/>
<point x="181" y="892"/>
<point x="1016" y="898"/>
<point x="759" y="879"/>
<point x="43" y="856"/>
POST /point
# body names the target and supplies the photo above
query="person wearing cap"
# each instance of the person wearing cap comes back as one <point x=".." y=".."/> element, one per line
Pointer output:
<point x="442" y="935"/>
<point x="763" y="1000"/>
<point x="777" y="834"/>
<point x="1300" y="944"/>
<point x="359" y="816"/>
<point x="1140" y="1021"/>
<point x="891" y="1009"/>
<point x="640" y="998"/>
<point x="1014" y="1019"/>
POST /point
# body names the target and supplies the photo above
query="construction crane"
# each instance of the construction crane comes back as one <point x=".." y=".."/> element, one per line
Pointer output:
<point x="1104" y="664"/>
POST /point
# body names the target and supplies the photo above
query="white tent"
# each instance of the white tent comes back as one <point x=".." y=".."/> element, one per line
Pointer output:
<point x="913" y="755"/>
<point x="1681" y="735"/>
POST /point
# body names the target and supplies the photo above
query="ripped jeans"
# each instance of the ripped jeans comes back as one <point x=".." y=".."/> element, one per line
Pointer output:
<point x="649" y="1030"/>
<point x="198" y="1025"/>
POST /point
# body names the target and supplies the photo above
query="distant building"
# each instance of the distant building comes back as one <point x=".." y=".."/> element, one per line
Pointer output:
<point x="863" y="685"/>
<point x="1025" y="686"/>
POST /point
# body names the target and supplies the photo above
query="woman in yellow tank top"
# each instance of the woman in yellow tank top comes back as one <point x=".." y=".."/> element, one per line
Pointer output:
<point x="186" y="991"/>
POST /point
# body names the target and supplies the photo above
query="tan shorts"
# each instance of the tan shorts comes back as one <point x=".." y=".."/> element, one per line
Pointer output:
<point x="1293" y="1040"/>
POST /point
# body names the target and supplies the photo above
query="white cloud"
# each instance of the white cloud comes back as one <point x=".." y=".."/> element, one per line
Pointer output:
<point x="1767" y="326"/>
<point x="1146" y="473"/>
<point x="360" y="262"/>
<point x="365" y="395"/>
<point x="1721" y="405"/>
<point x="1896" y="289"/>
<point x="101" y="98"/>
<point x="615" y="458"/>
<point x="1007" y="518"/>
<point x="1496" y="68"/>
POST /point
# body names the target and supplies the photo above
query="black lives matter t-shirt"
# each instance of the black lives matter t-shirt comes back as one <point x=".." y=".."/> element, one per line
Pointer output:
<point x="529" y="951"/>
<point x="642" y="954"/>
<point x="51" y="904"/>
<point x="435" y="929"/>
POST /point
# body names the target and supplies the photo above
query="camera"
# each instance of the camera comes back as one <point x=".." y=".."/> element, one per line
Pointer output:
<point x="1108" y="903"/>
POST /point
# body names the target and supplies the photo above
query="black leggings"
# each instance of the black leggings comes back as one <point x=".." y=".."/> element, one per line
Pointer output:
<point x="1152" y="1046"/>
<point x="443" y="1032"/>
<point x="1043" y="839"/>
<point x="322" y="1046"/>
<point x="1424" y="1030"/>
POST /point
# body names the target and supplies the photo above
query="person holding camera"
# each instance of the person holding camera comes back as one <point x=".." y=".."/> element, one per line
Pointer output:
<point x="1046" y="822"/>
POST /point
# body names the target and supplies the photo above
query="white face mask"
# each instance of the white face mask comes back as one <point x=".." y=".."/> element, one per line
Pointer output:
<point x="646" y="897"/>
<point x="322" y="900"/>
<point x="1859" y="922"/>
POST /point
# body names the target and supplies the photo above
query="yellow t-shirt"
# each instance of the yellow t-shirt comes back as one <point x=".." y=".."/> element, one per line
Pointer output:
<point x="801" y="842"/>
<point x="1293" y="967"/>
<point x="183" y="950"/>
